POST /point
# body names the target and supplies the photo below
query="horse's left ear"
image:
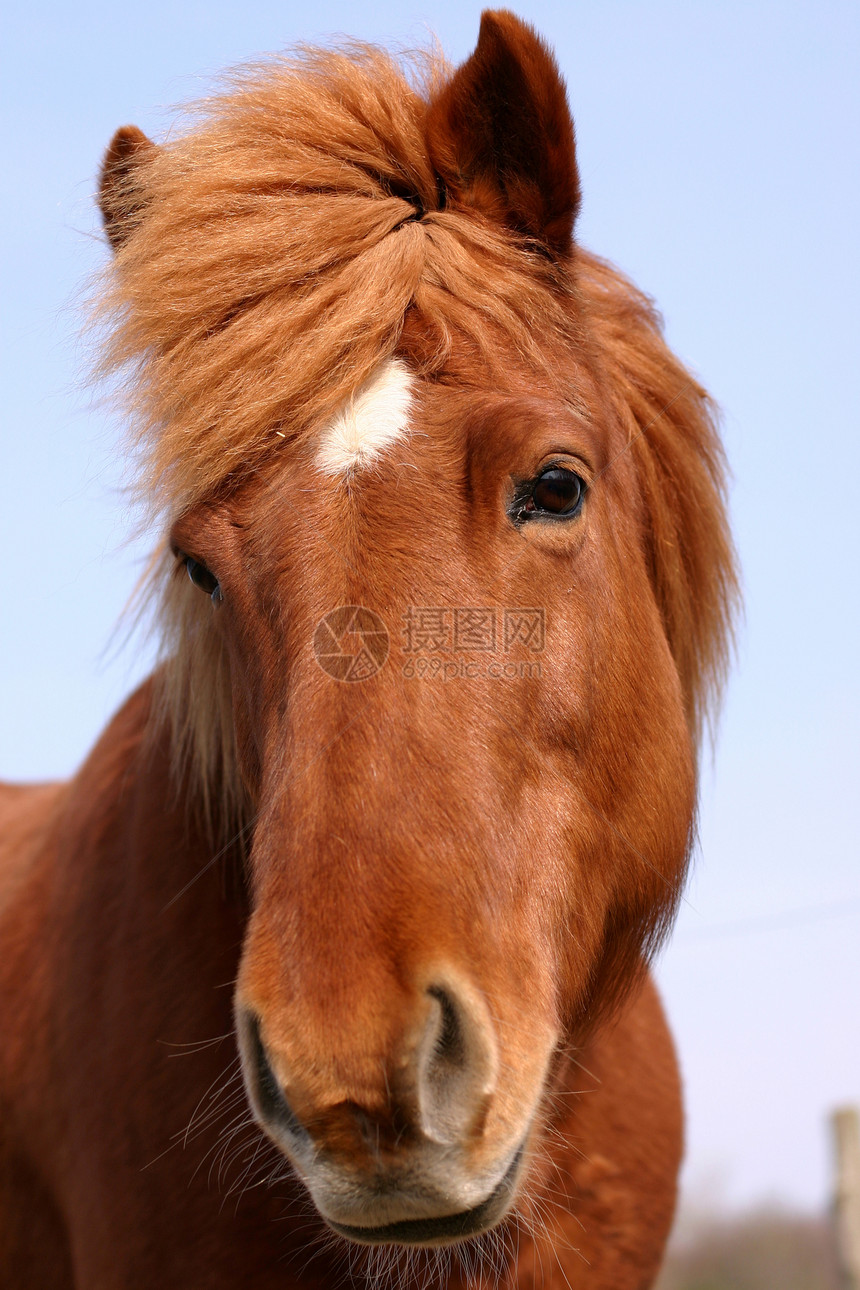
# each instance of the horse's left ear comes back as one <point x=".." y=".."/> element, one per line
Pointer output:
<point x="500" y="134"/>
<point x="120" y="196"/>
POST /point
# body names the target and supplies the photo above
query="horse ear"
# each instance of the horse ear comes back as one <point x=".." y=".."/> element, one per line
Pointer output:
<point x="500" y="134"/>
<point x="120" y="197"/>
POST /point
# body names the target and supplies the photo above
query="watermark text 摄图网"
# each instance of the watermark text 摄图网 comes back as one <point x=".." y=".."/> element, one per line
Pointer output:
<point x="438" y="629"/>
<point x="437" y="642"/>
<point x="467" y="642"/>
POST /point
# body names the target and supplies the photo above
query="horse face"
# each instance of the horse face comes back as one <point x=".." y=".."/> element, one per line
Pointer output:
<point x="462" y="729"/>
<point x="445" y="609"/>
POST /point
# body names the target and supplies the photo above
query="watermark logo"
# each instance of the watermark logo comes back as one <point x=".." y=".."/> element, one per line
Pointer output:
<point x="437" y="642"/>
<point x="351" y="643"/>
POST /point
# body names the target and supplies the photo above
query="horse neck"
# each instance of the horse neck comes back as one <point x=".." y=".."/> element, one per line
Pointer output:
<point x="146" y="848"/>
<point x="137" y="931"/>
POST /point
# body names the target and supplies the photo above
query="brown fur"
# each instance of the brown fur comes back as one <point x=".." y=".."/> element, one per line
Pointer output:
<point x="529" y="837"/>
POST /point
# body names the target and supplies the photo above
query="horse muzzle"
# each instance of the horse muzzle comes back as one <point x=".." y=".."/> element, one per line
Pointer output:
<point x="416" y="1157"/>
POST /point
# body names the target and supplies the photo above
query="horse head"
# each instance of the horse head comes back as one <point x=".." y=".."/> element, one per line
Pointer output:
<point x="453" y="522"/>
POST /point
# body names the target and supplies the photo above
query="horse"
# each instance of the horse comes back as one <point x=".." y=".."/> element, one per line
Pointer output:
<point x="330" y="964"/>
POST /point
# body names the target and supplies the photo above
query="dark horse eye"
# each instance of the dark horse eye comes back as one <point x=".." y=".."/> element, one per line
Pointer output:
<point x="202" y="578"/>
<point x="556" y="492"/>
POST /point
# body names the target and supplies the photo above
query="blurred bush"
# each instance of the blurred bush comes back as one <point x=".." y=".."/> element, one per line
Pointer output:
<point x="765" y="1250"/>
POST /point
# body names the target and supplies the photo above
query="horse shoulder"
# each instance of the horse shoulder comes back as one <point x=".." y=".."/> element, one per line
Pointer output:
<point x="46" y="836"/>
<point x="619" y="1147"/>
<point x="26" y="811"/>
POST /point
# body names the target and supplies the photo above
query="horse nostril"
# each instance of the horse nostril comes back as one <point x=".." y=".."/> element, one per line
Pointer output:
<point x="266" y="1095"/>
<point x="449" y="1049"/>
<point x="457" y="1065"/>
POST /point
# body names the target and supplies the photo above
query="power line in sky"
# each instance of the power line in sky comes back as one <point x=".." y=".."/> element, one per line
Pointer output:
<point x="789" y="918"/>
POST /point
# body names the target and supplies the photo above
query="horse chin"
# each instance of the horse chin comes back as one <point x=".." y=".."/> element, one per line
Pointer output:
<point x="439" y="1229"/>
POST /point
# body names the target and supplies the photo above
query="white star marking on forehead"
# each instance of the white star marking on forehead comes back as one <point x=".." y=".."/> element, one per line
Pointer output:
<point x="375" y="417"/>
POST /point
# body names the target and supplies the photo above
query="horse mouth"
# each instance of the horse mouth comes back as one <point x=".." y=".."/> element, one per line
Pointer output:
<point x="445" y="1229"/>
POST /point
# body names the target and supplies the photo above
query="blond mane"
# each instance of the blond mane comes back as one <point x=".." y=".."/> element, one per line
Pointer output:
<point x="278" y="258"/>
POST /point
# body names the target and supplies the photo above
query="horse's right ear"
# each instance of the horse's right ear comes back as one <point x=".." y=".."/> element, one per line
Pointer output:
<point x="120" y="197"/>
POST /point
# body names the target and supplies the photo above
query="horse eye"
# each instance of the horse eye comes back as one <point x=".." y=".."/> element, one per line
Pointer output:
<point x="556" y="491"/>
<point x="204" y="579"/>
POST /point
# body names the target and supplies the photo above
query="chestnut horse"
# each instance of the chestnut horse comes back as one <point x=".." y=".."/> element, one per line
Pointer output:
<point x="330" y="964"/>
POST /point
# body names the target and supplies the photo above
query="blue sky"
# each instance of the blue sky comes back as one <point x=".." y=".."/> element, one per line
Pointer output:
<point x="718" y="145"/>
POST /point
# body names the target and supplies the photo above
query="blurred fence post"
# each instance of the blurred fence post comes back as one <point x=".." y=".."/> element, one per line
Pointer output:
<point x="846" y="1137"/>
